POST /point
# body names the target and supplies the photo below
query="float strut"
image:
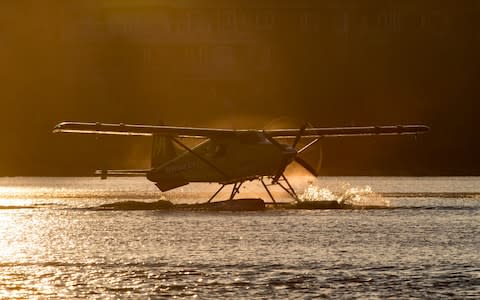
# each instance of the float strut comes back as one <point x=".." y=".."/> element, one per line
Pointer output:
<point x="290" y="189"/>
<point x="235" y="190"/>
<point x="216" y="193"/>
<point x="268" y="191"/>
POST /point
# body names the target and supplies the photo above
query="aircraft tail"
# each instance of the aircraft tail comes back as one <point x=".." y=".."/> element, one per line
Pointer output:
<point x="163" y="150"/>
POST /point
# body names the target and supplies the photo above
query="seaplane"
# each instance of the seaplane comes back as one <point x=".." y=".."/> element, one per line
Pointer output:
<point x="229" y="157"/>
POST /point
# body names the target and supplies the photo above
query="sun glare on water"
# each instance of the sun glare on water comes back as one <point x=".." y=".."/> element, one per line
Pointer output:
<point x="12" y="196"/>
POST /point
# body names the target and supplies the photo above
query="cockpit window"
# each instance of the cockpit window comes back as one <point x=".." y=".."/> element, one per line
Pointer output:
<point x="252" y="137"/>
<point x="217" y="150"/>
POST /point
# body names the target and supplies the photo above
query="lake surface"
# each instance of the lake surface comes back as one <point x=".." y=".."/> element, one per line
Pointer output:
<point x="425" y="245"/>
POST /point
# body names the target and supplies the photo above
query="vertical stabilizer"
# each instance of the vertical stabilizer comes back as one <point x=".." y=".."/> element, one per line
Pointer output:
<point x="163" y="150"/>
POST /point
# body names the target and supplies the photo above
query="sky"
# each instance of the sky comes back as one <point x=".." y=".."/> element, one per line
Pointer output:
<point x="237" y="64"/>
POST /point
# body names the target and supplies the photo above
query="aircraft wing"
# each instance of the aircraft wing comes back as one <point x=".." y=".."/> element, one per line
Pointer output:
<point x="138" y="130"/>
<point x="194" y="132"/>
<point x="347" y="131"/>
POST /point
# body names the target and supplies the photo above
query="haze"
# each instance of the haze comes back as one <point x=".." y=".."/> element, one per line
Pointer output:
<point x="241" y="64"/>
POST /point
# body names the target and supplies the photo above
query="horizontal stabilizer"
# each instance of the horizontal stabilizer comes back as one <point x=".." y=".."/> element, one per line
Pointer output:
<point x="120" y="173"/>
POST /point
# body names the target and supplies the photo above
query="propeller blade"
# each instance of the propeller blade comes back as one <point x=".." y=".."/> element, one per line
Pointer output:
<point x="283" y="165"/>
<point x="307" y="166"/>
<point x="299" y="135"/>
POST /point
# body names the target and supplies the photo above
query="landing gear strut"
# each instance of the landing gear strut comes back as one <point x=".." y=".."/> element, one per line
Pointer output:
<point x="287" y="187"/>
<point x="282" y="182"/>
<point x="235" y="191"/>
<point x="216" y="193"/>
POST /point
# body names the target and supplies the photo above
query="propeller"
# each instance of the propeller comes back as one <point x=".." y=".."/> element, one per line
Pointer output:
<point x="300" y="160"/>
<point x="297" y="158"/>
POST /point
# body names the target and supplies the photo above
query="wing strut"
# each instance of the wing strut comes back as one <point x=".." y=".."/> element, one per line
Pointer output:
<point x="309" y="145"/>
<point x="206" y="161"/>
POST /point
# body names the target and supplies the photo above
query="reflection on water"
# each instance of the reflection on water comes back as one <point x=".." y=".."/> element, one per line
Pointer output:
<point x="428" y="249"/>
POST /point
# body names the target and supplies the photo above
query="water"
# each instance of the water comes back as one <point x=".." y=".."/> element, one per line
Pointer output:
<point x="425" y="246"/>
